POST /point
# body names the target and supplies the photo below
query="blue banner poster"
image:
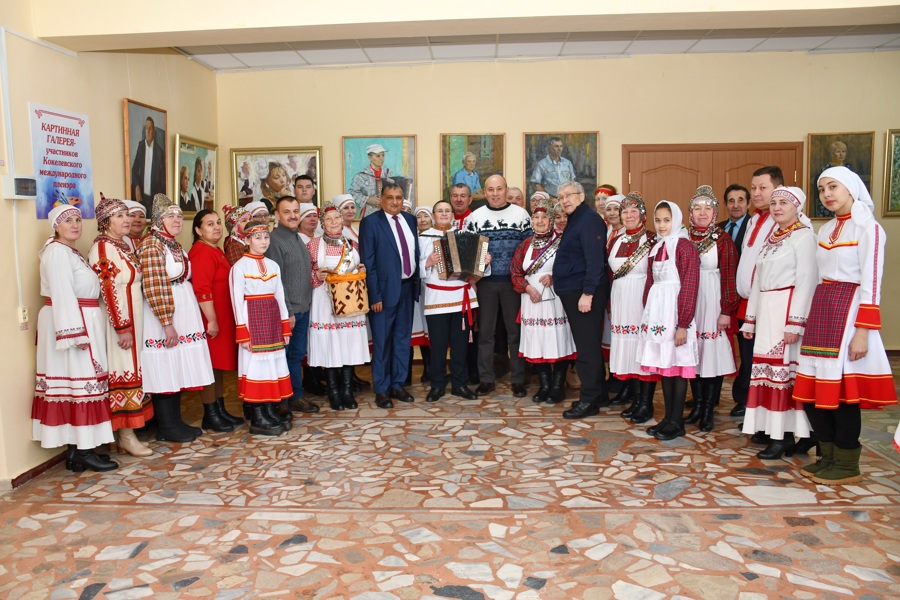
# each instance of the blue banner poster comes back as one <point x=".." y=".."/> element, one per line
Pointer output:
<point x="61" y="147"/>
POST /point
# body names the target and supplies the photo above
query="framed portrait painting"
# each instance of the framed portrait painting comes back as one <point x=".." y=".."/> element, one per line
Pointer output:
<point x="267" y="173"/>
<point x="552" y="158"/>
<point x="196" y="167"/>
<point x="372" y="161"/>
<point x="470" y="158"/>
<point x="852" y="150"/>
<point x="146" y="151"/>
<point x="891" y="203"/>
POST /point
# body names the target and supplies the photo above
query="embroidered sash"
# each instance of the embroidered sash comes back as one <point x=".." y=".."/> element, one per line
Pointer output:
<point x="636" y="257"/>
<point x="543" y="256"/>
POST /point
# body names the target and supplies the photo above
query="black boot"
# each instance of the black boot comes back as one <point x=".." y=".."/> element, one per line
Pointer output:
<point x="359" y="384"/>
<point x="558" y="382"/>
<point x="189" y="429"/>
<point x="712" y="391"/>
<point x="226" y="415"/>
<point x="543" y="393"/>
<point x="213" y="419"/>
<point x="312" y="381"/>
<point x="778" y="448"/>
<point x="284" y="413"/>
<point x="272" y="410"/>
<point x="626" y="394"/>
<point x="635" y="398"/>
<point x="643" y="412"/>
<point x="334" y="389"/>
<point x="804" y="445"/>
<point x="88" y="459"/>
<point x="698" y="389"/>
<point x="260" y="421"/>
<point x="347" y="399"/>
<point x="70" y="455"/>
<point x="674" y="390"/>
<point x="168" y="417"/>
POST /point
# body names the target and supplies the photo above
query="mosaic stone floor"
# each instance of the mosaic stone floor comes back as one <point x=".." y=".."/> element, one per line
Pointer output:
<point x="490" y="499"/>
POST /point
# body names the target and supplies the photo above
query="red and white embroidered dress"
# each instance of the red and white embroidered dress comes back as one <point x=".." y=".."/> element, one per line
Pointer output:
<point x="261" y="318"/>
<point x="850" y="257"/>
<point x="71" y="398"/>
<point x="122" y="300"/>
<point x="781" y="292"/>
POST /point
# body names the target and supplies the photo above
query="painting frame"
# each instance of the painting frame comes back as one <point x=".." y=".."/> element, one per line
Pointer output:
<point x="134" y="117"/>
<point x="400" y="160"/>
<point x="259" y="160"/>
<point x="823" y="149"/>
<point x="586" y="161"/>
<point x="890" y="205"/>
<point x="187" y="152"/>
<point x="487" y="160"/>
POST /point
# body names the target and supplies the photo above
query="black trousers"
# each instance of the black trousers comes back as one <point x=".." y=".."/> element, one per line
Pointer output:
<point x="587" y="332"/>
<point x="840" y="426"/>
<point x="491" y="296"/>
<point x="448" y="330"/>
<point x="740" y="389"/>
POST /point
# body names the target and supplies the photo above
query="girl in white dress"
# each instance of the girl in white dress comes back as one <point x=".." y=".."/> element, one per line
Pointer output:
<point x="335" y="343"/>
<point x="546" y="339"/>
<point x="781" y="291"/>
<point x="71" y="400"/>
<point x="175" y="356"/>
<point x="628" y="261"/>
<point x="843" y="364"/>
<point x="262" y="331"/>
<point x="668" y="338"/>
<point x="717" y="304"/>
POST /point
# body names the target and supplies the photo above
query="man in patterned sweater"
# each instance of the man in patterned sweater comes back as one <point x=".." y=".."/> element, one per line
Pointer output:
<point x="506" y="226"/>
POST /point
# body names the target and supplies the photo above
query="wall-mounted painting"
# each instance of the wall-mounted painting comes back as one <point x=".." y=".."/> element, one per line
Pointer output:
<point x="852" y="150"/>
<point x="372" y="161"/>
<point x="195" y="174"/>
<point x="470" y="158"/>
<point x="267" y="173"/>
<point x="145" y="151"/>
<point x="552" y="158"/>
<point x="891" y="206"/>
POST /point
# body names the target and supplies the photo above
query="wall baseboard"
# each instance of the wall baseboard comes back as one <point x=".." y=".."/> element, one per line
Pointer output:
<point x="34" y="472"/>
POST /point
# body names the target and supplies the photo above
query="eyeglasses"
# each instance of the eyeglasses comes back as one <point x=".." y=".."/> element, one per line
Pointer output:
<point x="567" y="196"/>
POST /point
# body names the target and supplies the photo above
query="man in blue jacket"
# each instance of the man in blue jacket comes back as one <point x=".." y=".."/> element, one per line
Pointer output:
<point x="389" y="248"/>
<point x="580" y="281"/>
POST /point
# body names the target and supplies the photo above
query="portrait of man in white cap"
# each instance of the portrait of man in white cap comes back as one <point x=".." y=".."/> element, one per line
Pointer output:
<point x="367" y="184"/>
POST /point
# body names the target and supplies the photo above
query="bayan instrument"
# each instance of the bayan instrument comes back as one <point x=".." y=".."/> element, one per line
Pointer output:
<point x="349" y="294"/>
<point x="461" y="255"/>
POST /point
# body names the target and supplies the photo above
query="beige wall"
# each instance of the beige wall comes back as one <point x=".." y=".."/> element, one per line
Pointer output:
<point x="647" y="99"/>
<point x="93" y="84"/>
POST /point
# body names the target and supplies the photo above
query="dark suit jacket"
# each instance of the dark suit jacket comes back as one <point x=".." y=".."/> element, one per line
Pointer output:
<point x="739" y="238"/>
<point x="157" y="178"/>
<point x="378" y="251"/>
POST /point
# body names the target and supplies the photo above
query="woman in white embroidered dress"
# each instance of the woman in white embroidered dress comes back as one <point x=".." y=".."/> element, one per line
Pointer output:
<point x="545" y="339"/>
<point x="843" y="364"/>
<point x="781" y="291"/>
<point x="120" y="291"/>
<point x="71" y="401"/>
<point x="335" y="343"/>
<point x="628" y="265"/>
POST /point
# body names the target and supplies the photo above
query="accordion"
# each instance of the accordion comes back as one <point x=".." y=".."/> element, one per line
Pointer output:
<point x="461" y="255"/>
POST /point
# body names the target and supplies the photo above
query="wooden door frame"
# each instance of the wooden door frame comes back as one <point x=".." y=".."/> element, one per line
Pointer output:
<point x="627" y="149"/>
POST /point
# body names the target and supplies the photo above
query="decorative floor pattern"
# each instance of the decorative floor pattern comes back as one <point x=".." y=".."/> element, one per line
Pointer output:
<point x="496" y="498"/>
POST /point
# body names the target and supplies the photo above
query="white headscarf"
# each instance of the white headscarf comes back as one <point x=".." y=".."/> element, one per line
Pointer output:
<point x="678" y="230"/>
<point x="863" y="208"/>
<point x="795" y="195"/>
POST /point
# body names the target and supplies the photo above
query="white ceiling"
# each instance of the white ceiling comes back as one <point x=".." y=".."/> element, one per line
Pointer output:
<point x="543" y="46"/>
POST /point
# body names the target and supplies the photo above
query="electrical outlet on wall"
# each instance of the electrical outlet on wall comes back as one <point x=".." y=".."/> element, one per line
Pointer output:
<point x="23" y="315"/>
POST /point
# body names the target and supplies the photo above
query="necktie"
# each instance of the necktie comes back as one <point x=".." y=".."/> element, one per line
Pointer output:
<point x="404" y="248"/>
<point x="731" y="225"/>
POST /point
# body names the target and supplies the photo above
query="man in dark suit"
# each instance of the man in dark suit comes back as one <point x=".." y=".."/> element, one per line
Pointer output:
<point x="737" y="205"/>
<point x="389" y="249"/>
<point x="148" y="172"/>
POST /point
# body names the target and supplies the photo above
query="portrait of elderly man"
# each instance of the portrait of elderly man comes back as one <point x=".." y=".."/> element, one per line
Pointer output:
<point x="148" y="171"/>
<point x="367" y="184"/>
<point x="468" y="176"/>
<point x="581" y="282"/>
<point x="553" y="169"/>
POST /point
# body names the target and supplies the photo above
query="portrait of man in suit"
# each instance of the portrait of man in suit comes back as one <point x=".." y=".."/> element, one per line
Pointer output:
<point x="389" y="248"/>
<point x="148" y="168"/>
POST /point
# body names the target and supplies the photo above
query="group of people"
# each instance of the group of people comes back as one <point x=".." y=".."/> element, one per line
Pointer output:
<point x="573" y="282"/>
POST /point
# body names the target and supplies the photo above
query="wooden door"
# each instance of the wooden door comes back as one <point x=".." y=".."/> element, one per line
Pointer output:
<point x="674" y="171"/>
